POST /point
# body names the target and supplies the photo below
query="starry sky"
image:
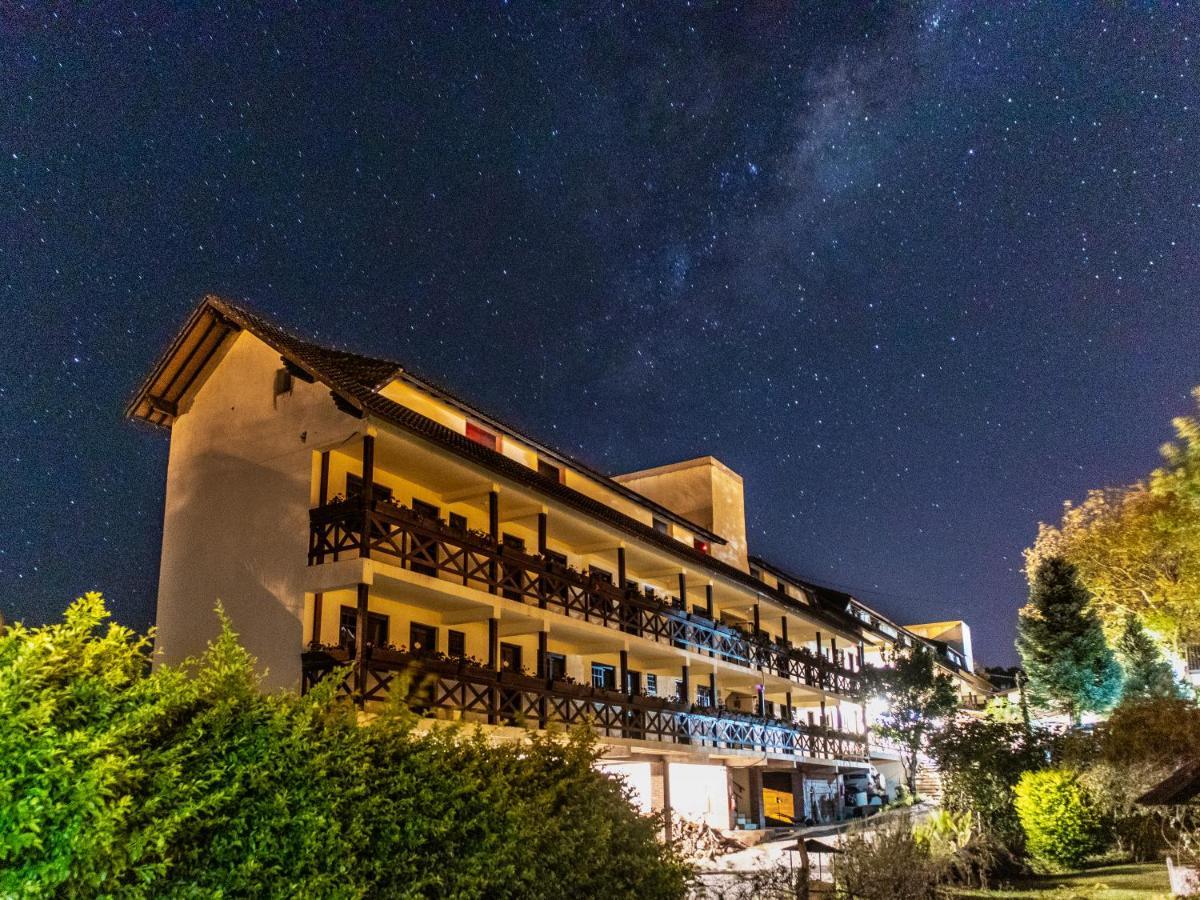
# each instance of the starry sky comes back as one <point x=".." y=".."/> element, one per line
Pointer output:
<point x="919" y="272"/>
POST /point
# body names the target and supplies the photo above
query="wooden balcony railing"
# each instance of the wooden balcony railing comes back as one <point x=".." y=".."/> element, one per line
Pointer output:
<point x="472" y="691"/>
<point x="470" y="558"/>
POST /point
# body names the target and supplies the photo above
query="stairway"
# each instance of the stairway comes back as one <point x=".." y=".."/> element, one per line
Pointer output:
<point x="929" y="781"/>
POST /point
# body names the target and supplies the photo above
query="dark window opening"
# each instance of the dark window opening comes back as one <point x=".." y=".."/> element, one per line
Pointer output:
<point x="549" y="470"/>
<point x="354" y="485"/>
<point x="422" y="638"/>
<point x="633" y="682"/>
<point x="424" y="550"/>
<point x="604" y="676"/>
<point x="510" y="658"/>
<point x="513" y="542"/>
<point x="703" y="695"/>
<point x="556" y="666"/>
<point x="601" y="574"/>
<point x="377" y="627"/>
<point x="458" y="521"/>
<point x="456" y="643"/>
<point x="661" y="525"/>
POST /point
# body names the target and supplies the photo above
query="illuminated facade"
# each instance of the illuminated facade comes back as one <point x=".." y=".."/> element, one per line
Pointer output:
<point x="353" y="517"/>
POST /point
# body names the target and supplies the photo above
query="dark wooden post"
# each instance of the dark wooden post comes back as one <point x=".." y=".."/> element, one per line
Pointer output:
<point x="822" y="712"/>
<point x="368" y="494"/>
<point x="833" y="650"/>
<point x="318" y="597"/>
<point x="686" y="687"/>
<point x="861" y="656"/>
<point x="621" y="568"/>
<point x="788" y="706"/>
<point x="360" y="645"/>
<point x="494" y="531"/>
<point x="757" y="621"/>
<point x="783" y="628"/>
<point x="712" y="689"/>
<point x="543" y="638"/>
<point x="625" y="672"/>
<point x="683" y="591"/>
<point x="762" y="700"/>
<point x="708" y="601"/>
<point x="323" y="482"/>
<point x="494" y="665"/>
<point x="543" y="530"/>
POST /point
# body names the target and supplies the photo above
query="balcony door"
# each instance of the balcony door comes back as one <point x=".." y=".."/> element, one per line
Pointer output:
<point x="377" y="628"/>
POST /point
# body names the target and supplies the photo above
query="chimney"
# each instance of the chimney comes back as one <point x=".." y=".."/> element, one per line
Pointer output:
<point x="705" y="491"/>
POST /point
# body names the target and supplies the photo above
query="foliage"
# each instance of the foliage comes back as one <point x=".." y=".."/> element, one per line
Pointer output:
<point x="1061" y="822"/>
<point x="981" y="761"/>
<point x="1070" y="666"/>
<point x="918" y="699"/>
<point x="191" y="782"/>
<point x="1137" y="548"/>
<point x="1147" y="672"/>
<point x="887" y="862"/>
<point x="1141" y="743"/>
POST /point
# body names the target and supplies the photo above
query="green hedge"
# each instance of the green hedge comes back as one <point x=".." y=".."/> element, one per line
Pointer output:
<point x="1060" y="821"/>
<point x="191" y="782"/>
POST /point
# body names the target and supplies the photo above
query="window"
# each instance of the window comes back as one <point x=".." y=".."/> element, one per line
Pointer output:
<point x="510" y="658"/>
<point x="604" y="676"/>
<point x="556" y="666"/>
<point x="700" y="545"/>
<point x="662" y="525"/>
<point x="422" y="638"/>
<point x="652" y="685"/>
<point x="513" y="542"/>
<point x="354" y="488"/>
<point x="703" y="695"/>
<point x="377" y="627"/>
<point x="459" y="521"/>
<point x="482" y="436"/>
<point x="680" y="693"/>
<point x="456" y="643"/>
<point x="1193" y="657"/>
<point x="601" y="574"/>
<point x="549" y="470"/>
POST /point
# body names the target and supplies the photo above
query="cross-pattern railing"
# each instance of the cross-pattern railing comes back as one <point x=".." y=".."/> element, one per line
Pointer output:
<point x="428" y="545"/>
<point x="477" y="693"/>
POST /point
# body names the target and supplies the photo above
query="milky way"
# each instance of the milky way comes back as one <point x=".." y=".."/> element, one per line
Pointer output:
<point x="918" y="272"/>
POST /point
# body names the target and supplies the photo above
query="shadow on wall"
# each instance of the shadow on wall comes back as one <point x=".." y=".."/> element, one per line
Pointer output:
<point x="235" y="531"/>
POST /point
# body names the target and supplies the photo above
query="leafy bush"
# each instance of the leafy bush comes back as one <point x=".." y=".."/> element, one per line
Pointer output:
<point x="887" y="862"/>
<point x="981" y="761"/>
<point x="190" y="782"/>
<point x="1061" y="822"/>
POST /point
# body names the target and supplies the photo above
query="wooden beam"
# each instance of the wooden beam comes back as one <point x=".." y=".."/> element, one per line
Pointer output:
<point x="543" y="531"/>
<point x="368" y="493"/>
<point x="318" y="597"/>
<point x="360" y="644"/>
<point x="323" y="483"/>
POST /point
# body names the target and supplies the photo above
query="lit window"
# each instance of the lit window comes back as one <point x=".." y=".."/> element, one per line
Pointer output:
<point x="482" y="436"/>
<point x="604" y="676"/>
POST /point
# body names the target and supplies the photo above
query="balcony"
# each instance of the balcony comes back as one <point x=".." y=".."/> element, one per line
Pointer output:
<point x="430" y="546"/>
<point x="467" y="690"/>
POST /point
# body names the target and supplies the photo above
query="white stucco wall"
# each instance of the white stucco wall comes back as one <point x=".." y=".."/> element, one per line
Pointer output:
<point x="235" y="529"/>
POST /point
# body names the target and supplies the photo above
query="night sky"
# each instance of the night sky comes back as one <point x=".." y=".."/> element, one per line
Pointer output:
<point x="919" y="273"/>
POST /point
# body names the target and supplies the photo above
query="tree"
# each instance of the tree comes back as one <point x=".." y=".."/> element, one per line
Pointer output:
<point x="120" y="781"/>
<point x="981" y="761"/>
<point x="917" y="699"/>
<point x="1070" y="666"/>
<point x="1137" y="547"/>
<point x="1147" y="672"/>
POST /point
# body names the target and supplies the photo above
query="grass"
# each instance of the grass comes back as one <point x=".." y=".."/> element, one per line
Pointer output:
<point x="1112" y="881"/>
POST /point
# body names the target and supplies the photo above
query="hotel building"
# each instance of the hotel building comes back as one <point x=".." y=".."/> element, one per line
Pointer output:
<point x="354" y="518"/>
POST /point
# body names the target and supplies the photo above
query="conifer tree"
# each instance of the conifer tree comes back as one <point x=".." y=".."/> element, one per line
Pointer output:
<point x="1147" y="672"/>
<point x="1071" y="668"/>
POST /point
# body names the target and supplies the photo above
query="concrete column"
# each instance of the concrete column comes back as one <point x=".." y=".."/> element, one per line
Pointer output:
<point x="756" y="797"/>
